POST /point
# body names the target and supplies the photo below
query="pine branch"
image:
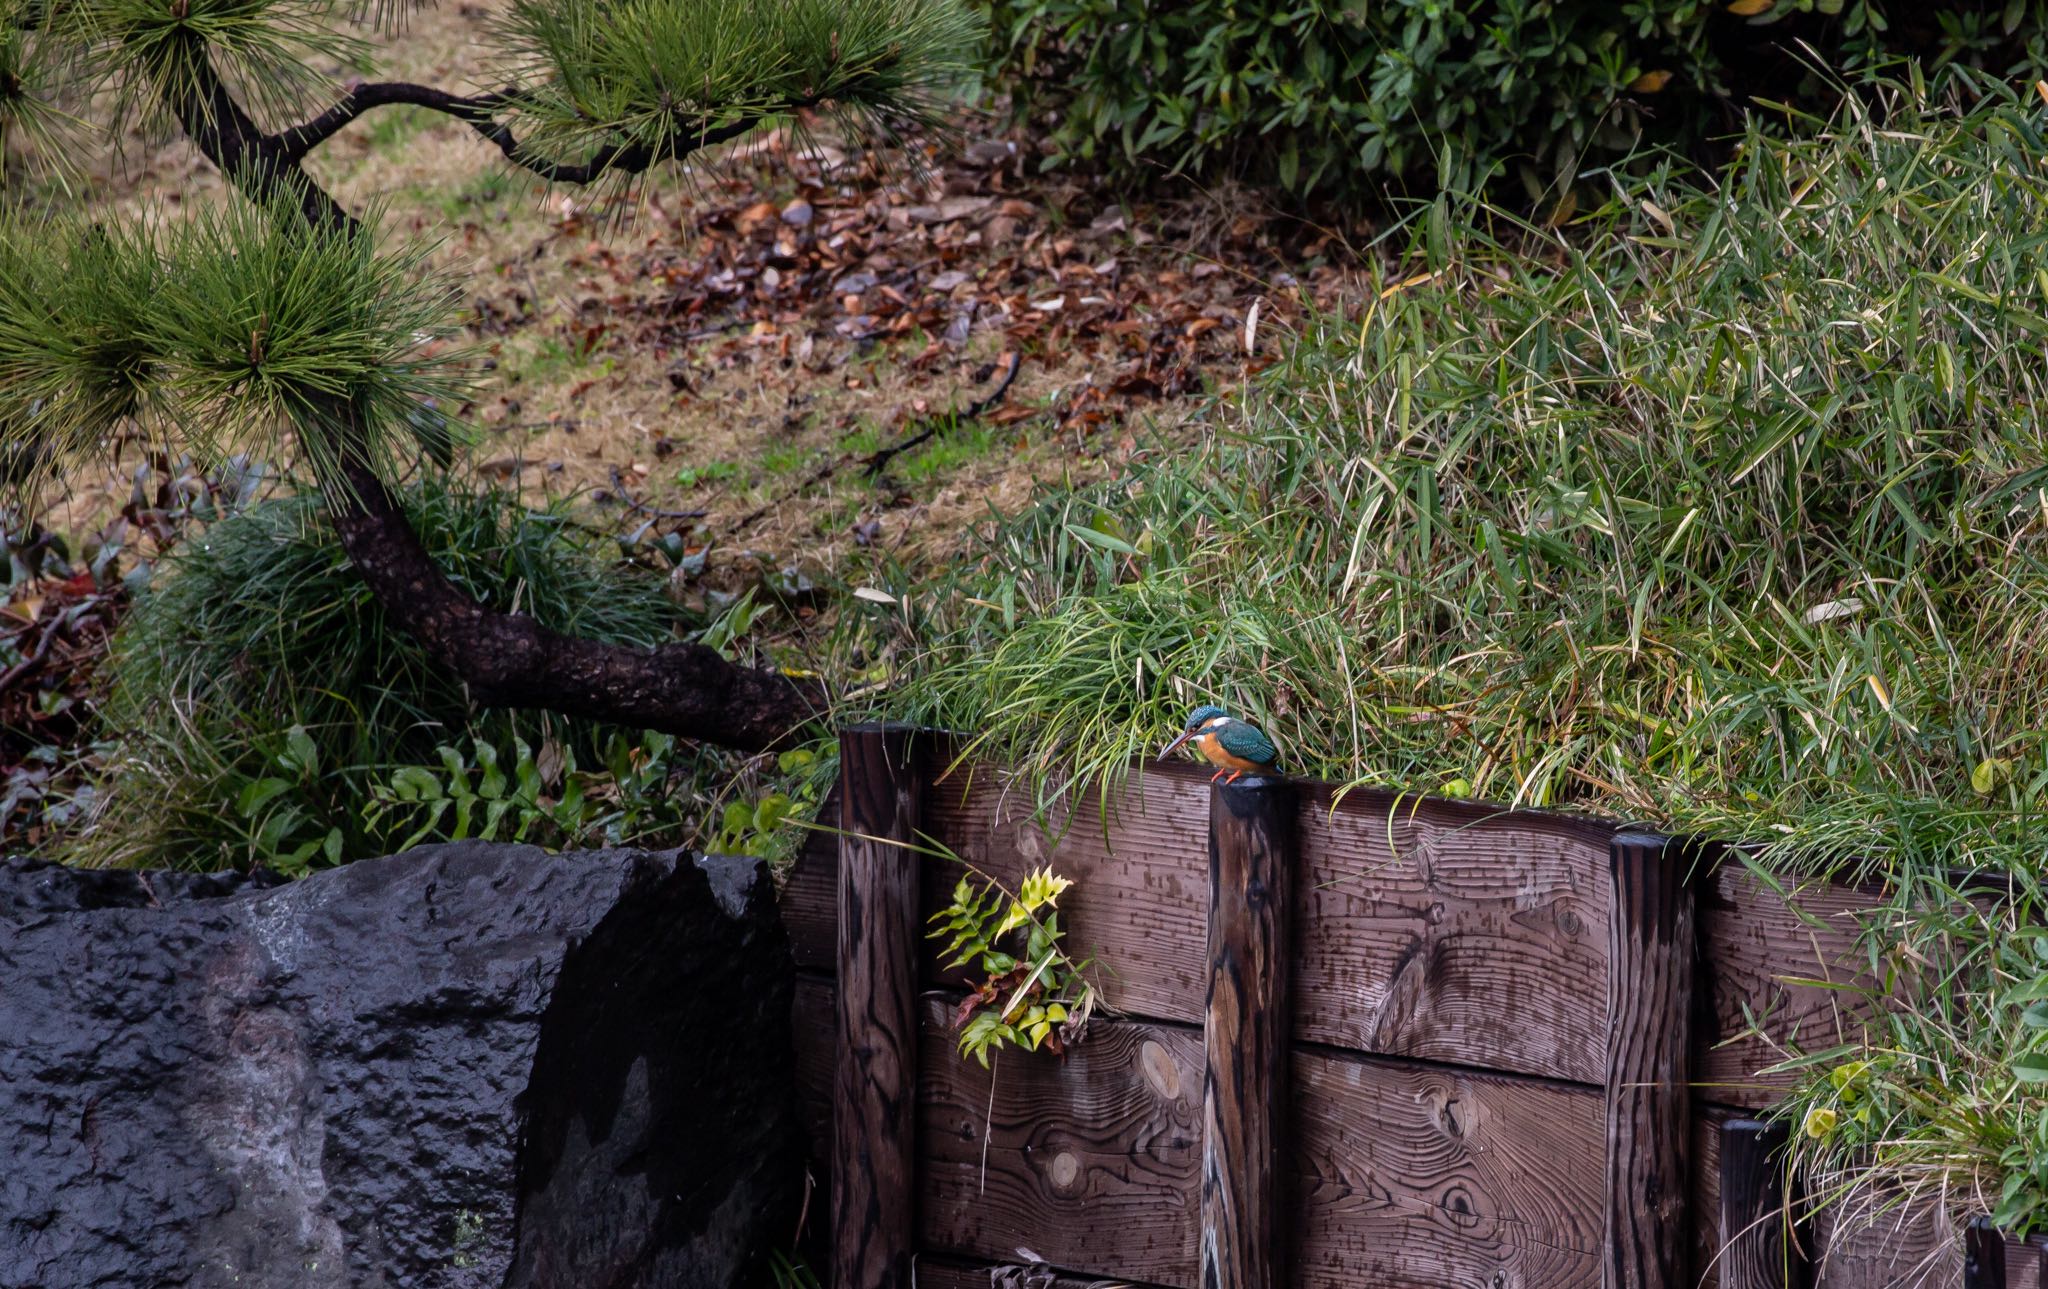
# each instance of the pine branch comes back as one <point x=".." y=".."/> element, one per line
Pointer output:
<point x="224" y="132"/>
<point x="476" y="111"/>
<point x="507" y="659"/>
<point x="480" y="113"/>
<point x="510" y="660"/>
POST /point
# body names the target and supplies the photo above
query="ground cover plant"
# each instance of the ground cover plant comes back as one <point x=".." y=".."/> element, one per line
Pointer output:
<point x="1339" y="97"/>
<point x="1723" y="510"/>
<point x="261" y="710"/>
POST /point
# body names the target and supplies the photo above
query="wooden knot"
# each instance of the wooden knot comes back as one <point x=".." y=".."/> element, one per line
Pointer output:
<point x="1065" y="1171"/>
<point x="1159" y="1070"/>
<point x="1447" y="1116"/>
<point x="1457" y="1204"/>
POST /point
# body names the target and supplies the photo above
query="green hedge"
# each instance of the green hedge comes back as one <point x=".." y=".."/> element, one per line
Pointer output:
<point x="1333" y="96"/>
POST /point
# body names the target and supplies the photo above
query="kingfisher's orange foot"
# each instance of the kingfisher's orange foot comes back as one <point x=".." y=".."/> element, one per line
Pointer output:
<point x="1219" y="774"/>
<point x="1233" y="778"/>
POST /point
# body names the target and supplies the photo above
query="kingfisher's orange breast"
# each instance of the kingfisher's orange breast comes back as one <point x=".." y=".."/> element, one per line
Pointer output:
<point x="1212" y="751"/>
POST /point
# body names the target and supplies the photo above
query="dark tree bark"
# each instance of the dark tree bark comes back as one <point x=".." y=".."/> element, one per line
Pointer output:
<point x="506" y="659"/>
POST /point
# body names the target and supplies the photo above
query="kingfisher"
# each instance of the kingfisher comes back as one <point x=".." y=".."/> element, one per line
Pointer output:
<point x="1233" y="746"/>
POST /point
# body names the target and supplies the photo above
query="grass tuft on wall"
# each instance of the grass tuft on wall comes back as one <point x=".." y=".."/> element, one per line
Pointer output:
<point x="1723" y="509"/>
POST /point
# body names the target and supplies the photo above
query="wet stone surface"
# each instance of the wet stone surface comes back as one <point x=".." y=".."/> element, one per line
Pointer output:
<point x="467" y="1065"/>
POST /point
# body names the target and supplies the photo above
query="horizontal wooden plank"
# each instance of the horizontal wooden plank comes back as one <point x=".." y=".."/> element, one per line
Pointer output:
<point x="1906" y="1249"/>
<point x="1139" y="904"/>
<point x="1446" y="931"/>
<point x="1440" y="930"/>
<point x="1754" y="948"/>
<point x="1415" y="1177"/>
<point x="936" y="1271"/>
<point x="1454" y="932"/>
<point x="1405" y="1175"/>
<point x="1091" y="1161"/>
<point x="2026" y="1263"/>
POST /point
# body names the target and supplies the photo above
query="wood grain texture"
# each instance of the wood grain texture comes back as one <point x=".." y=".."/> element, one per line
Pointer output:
<point x="1418" y="1177"/>
<point x="1900" y="1249"/>
<point x="936" y="1272"/>
<point x="1401" y="1176"/>
<point x="1760" y="1246"/>
<point x="810" y="894"/>
<point x="1649" y="1051"/>
<point x="1755" y="947"/>
<point x="1140" y="898"/>
<point x="1453" y="932"/>
<point x="814" y="1024"/>
<point x="1440" y="930"/>
<point x="1890" y="1250"/>
<point x="1447" y="931"/>
<point x="1244" y="1088"/>
<point x="2026" y="1261"/>
<point x="1090" y="1161"/>
<point x="874" y="1173"/>
<point x="1707" y="1119"/>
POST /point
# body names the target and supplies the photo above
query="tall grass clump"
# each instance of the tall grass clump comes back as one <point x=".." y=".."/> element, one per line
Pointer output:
<point x="1721" y="510"/>
<point x="264" y="704"/>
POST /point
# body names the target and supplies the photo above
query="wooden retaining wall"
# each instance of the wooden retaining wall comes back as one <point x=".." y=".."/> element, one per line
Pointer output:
<point x="1483" y="1048"/>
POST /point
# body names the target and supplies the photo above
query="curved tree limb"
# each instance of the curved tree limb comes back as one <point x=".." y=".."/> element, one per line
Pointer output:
<point x="480" y="113"/>
<point x="510" y="660"/>
<point x="506" y="659"/>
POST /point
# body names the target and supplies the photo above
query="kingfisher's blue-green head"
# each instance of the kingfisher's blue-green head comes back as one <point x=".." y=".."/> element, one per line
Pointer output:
<point x="1198" y="718"/>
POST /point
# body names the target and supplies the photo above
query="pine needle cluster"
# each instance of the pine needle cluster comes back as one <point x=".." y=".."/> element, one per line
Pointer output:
<point x="223" y="331"/>
<point x="664" y="76"/>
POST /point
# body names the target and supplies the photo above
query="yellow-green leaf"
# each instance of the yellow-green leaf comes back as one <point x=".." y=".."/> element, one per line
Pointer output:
<point x="1820" y="1121"/>
<point x="1987" y="775"/>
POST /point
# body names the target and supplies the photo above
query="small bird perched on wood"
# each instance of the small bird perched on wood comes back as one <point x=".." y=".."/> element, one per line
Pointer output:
<point x="1231" y="745"/>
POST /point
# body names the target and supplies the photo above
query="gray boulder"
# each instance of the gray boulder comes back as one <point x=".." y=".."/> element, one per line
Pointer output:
<point x="467" y="1065"/>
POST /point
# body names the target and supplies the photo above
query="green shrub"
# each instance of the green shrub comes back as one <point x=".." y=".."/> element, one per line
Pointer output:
<point x="265" y="711"/>
<point x="1336" y="96"/>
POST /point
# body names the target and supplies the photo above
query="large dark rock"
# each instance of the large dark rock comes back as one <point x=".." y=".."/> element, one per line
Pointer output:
<point x="467" y="1065"/>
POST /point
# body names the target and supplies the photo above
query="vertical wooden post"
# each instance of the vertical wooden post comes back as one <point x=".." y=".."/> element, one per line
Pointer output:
<point x="874" y="1096"/>
<point x="1251" y="864"/>
<point x="1649" y="1053"/>
<point x="1983" y="1256"/>
<point x="1761" y="1248"/>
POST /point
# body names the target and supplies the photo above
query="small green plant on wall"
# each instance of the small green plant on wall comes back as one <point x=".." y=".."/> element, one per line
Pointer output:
<point x="768" y="826"/>
<point x="1036" y="998"/>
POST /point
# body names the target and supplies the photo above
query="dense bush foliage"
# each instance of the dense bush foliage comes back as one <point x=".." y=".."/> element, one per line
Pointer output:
<point x="1726" y="509"/>
<point x="1338" y="95"/>
<point x="262" y="700"/>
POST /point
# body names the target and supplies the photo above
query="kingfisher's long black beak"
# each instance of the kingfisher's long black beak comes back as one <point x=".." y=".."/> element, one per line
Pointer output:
<point x="1167" y="751"/>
